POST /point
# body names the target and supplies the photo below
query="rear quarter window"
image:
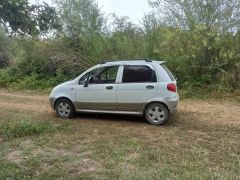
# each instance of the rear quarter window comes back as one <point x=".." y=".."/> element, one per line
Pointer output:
<point x="168" y="72"/>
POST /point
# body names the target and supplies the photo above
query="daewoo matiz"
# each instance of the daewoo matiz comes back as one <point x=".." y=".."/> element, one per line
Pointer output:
<point x="135" y="87"/>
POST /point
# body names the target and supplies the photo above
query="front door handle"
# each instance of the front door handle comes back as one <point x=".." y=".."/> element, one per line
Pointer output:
<point x="109" y="87"/>
<point x="150" y="87"/>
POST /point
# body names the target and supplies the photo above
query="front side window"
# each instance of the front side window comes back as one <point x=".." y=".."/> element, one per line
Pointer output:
<point x="103" y="75"/>
<point x="109" y="74"/>
<point x="90" y="74"/>
<point x="138" y="74"/>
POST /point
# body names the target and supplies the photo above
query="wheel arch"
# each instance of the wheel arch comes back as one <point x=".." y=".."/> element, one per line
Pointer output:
<point x="160" y="102"/>
<point x="63" y="97"/>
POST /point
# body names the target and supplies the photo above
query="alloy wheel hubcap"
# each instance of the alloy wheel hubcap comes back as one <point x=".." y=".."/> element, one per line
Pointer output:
<point x="156" y="114"/>
<point x="64" y="109"/>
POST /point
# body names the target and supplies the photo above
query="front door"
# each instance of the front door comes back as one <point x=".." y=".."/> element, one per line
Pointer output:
<point x="101" y="92"/>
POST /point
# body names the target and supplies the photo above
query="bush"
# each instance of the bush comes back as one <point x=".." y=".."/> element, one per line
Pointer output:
<point x="9" y="79"/>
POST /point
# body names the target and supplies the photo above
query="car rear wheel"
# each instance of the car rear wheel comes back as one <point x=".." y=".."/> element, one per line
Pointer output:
<point x="64" y="108"/>
<point x="157" y="114"/>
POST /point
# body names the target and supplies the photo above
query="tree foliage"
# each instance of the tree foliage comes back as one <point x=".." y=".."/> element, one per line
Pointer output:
<point x="222" y="15"/>
<point x="199" y="39"/>
<point x="203" y="30"/>
<point x="80" y="18"/>
<point x="20" y="17"/>
<point x="4" y="49"/>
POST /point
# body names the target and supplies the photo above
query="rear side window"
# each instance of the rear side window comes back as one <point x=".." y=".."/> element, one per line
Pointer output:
<point x="168" y="72"/>
<point x="138" y="74"/>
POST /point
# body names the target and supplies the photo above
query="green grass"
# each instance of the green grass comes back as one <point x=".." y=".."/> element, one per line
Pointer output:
<point x="25" y="127"/>
<point x="124" y="153"/>
<point x="142" y="157"/>
<point x="215" y="91"/>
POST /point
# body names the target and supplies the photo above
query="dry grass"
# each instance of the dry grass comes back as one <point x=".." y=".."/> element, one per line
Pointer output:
<point x="202" y="141"/>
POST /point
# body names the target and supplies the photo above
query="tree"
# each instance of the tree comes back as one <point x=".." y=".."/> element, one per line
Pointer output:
<point x="126" y="39"/>
<point x="80" y="18"/>
<point x="207" y="26"/>
<point x="222" y="15"/>
<point x="82" y="29"/>
<point x="21" y="18"/>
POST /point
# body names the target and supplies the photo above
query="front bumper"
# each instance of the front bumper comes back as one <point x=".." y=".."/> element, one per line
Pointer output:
<point x="52" y="102"/>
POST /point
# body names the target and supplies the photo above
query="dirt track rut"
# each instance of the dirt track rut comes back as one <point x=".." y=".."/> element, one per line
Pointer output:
<point x="206" y="111"/>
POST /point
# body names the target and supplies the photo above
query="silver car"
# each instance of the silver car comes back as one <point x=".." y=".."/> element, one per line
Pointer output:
<point x="134" y="87"/>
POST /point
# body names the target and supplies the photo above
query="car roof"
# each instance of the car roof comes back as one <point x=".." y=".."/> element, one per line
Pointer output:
<point x="129" y="62"/>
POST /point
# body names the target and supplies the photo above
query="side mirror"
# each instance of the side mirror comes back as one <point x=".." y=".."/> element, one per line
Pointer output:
<point x="86" y="83"/>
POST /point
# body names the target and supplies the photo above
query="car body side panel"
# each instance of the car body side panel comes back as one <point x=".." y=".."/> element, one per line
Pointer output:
<point x="96" y="97"/>
<point x="171" y="103"/>
<point x="131" y="96"/>
<point x="163" y="95"/>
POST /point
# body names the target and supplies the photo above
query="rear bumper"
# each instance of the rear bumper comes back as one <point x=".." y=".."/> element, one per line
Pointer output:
<point x="172" y="103"/>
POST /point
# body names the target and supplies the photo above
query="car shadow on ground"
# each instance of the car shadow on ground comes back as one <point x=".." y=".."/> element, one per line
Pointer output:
<point x="119" y="118"/>
<point x="110" y="117"/>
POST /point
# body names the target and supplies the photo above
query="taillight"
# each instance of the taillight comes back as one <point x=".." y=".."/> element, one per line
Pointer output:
<point x="172" y="87"/>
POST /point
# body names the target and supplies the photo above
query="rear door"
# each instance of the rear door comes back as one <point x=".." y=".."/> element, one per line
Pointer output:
<point x="137" y="87"/>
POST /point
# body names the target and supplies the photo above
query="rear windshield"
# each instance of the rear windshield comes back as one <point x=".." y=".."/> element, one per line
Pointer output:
<point x="168" y="72"/>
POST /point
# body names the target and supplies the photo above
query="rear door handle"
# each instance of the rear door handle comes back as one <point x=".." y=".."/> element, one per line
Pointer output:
<point x="109" y="87"/>
<point x="150" y="87"/>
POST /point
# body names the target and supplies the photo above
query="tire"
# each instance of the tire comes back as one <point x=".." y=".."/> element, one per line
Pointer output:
<point x="157" y="114"/>
<point x="64" y="108"/>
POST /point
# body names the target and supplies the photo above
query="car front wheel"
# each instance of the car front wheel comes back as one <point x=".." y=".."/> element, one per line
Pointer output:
<point x="64" y="108"/>
<point x="157" y="114"/>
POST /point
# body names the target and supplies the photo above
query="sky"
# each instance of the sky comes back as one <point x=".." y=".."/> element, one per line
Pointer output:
<point x="134" y="9"/>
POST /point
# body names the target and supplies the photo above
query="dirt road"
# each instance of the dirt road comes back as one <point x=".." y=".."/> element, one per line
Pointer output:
<point x="199" y="111"/>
